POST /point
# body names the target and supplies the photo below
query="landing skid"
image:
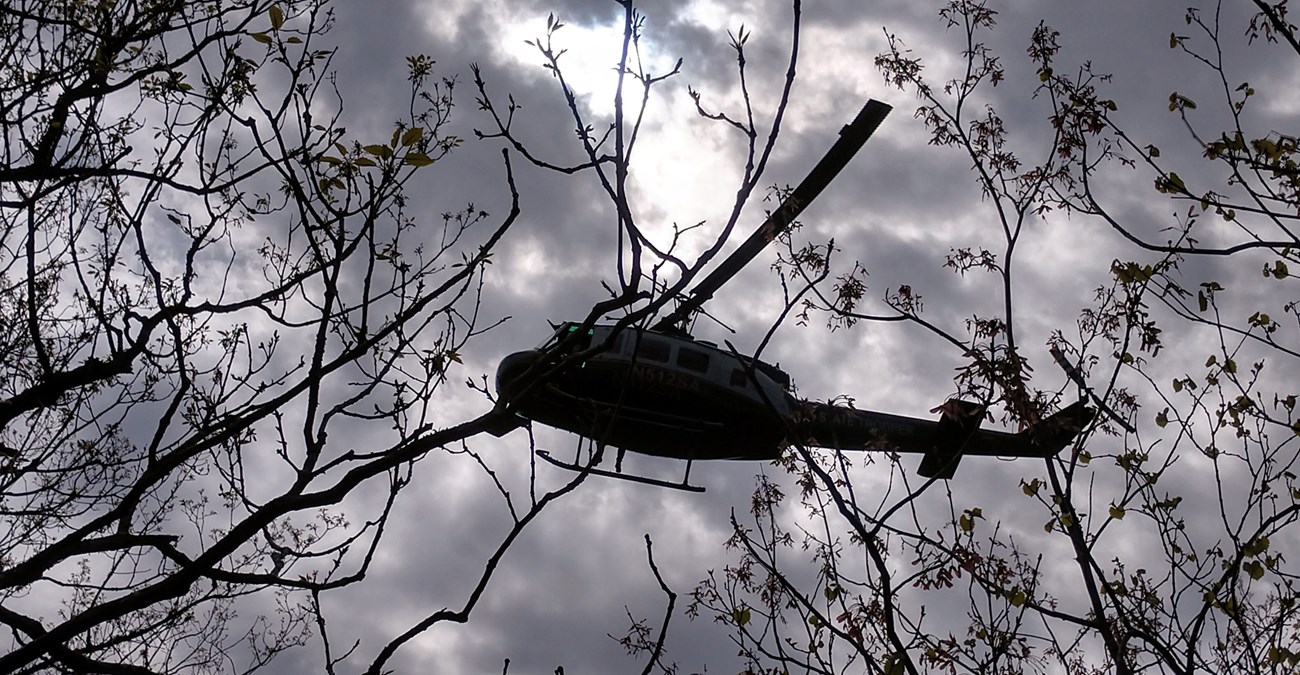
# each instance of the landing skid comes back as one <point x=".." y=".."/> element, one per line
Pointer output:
<point x="578" y="468"/>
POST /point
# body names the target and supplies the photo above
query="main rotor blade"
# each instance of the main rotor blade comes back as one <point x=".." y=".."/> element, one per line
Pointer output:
<point x="851" y="139"/>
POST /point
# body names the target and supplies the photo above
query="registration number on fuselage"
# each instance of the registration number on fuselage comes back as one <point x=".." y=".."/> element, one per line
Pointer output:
<point x="663" y="378"/>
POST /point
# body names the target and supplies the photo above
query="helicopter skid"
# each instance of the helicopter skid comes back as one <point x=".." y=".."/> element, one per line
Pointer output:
<point x="631" y="478"/>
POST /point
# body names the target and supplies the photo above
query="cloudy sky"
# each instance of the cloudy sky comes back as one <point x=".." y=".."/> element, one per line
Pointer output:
<point x="899" y="208"/>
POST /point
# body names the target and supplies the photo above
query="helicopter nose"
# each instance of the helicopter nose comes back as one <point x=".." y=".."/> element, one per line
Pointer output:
<point x="511" y="368"/>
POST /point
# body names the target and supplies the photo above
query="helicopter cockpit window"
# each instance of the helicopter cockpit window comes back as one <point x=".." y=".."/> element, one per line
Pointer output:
<point x="574" y="338"/>
<point x="654" y="350"/>
<point x="693" y="360"/>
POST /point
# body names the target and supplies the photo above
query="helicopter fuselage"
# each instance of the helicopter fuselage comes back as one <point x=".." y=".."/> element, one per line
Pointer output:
<point x="670" y="395"/>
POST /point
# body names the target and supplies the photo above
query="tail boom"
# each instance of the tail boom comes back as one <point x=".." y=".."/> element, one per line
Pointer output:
<point x="942" y="442"/>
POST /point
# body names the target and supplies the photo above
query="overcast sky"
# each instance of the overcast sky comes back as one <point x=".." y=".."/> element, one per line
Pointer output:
<point x="898" y="208"/>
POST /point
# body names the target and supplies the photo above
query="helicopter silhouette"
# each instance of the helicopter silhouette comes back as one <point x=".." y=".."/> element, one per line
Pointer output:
<point x="659" y="391"/>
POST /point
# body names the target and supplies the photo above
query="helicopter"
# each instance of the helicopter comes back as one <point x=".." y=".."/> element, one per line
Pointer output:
<point x="659" y="391"/>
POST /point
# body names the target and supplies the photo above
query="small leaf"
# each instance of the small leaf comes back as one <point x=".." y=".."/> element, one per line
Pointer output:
<point x="277" y="17"/>
<point x="966" y="522"/>
<point x="1117" y="512"/>
<point x="1018" y="598"/>
<point x="1255" y="569"/>
<point x="1255" y="547"/>
<point x="261" y="37"/>
<point x="418" y="159"/>
<point x="378" y="150"/>
<point x="412" y="136"/>
<point x="740" y="616"/>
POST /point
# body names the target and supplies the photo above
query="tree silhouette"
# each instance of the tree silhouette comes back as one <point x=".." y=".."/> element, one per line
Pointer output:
<point x="1164" y="530"/>
<point x="203" y="277"/>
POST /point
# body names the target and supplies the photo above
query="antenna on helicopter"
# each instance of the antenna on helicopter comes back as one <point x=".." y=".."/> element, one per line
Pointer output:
<point x="852" y="137"/>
